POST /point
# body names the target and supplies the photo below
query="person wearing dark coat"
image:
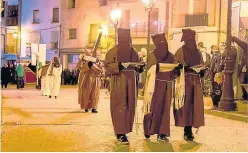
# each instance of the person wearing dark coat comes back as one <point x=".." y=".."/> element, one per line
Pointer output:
<point x="5" y="75"/>
<point x="191" y="114"/>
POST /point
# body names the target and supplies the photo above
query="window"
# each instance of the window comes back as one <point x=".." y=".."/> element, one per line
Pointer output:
<point x="72" y="33"/>
<point x="28" y="51"/>
<point x="36" y="16"/>
<point x="72" y="3"/>
<point x="94" y="32"/>
<point x="55" y="14"/>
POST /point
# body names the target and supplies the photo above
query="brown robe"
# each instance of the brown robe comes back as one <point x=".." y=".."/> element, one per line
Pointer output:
<point x="192" y="113"/>
<point x="89" y="83"/>
<point x="123" y="89"/>
<point x="158" y="122"/>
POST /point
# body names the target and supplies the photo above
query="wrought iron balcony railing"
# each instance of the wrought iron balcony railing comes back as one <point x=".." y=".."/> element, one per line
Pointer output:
<point x="36" y="21"/>
<point x="196" y="20"/>
<point x="12" y="21"/>
<point x="140" y="29"/>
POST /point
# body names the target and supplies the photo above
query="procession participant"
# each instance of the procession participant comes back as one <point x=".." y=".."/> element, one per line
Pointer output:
<point x="157" y="120"/>
<point x="89" y="83"/>
<point x="191" y="113"/>
<point x="119" y="63"/>
<point x="45" y="91"/>
<point x="54" y="75"/>
<point x="243" y="73"/>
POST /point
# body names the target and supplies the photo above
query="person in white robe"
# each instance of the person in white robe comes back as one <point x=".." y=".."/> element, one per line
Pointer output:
<point x="54" y="74"/>
<point x="45" y="91"/>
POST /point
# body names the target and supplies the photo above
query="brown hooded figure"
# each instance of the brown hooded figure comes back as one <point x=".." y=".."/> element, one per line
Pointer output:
<point x="124" y="84"/>
<point x="158" y="121"/>
<point x="192" y="113"/>
<point x="89" y="83"/>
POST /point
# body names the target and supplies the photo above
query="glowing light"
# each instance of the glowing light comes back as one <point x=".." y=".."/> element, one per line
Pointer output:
<point x="148" y="3"/>
<point x="133" y="25"/>
<point x="156" y="22"/>
<point x="15" y="35"/>
<point x="116" y="15"/>
<point x="104" y="29"/>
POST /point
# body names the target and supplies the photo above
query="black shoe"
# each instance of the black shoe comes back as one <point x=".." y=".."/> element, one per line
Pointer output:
<point x="162" y="137"/>
<point x="55" y="97"/>
<point x="118" y="136"/>
<point x="124" y="140"/>
<point x="50" y="96"/>
<point x="147" y="136"/>
<point x="86" y="110"/>
<point x="94" y="111"/>
<point x="188" y="137"/>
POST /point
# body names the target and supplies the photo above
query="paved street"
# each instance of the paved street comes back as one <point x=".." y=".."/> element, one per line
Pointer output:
<point x="35" y="123"/>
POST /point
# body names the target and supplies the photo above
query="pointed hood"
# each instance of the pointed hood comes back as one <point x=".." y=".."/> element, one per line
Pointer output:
<point x="161" y="51"/>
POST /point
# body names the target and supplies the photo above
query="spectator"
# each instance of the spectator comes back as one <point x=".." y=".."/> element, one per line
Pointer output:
<point x="216" y="68"/>
<point x="5" y="75"/>
<point x="20" y="76"/>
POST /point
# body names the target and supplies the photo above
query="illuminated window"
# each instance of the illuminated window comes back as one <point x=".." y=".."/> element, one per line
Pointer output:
<point x="72" y="33"/>
<point x="72" y="3"/>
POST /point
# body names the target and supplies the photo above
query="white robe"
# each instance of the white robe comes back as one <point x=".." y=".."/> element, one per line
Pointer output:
<point x="45" y="85"/>
<point x="55" y="80"/>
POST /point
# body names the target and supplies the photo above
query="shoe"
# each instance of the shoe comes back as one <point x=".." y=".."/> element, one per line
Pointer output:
<point x="188" y="137"/>
<point x="86" y="110"/>
<point x="147" y="136"/>
<point x="55" y="97"/>
<point x="124" y="140"/>
<point x="118" y="137"/>
<point x="94" y="111"/>
<point x="162" y="137"/>
<point x="50" y="96"/>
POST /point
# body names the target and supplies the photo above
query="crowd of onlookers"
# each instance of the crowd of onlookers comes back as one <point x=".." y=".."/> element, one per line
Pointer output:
<point x="11" y="74"/>
<point x="70" y="77"/>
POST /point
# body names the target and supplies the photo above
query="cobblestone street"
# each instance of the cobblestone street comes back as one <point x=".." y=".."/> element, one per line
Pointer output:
<point x="31" y="122"/>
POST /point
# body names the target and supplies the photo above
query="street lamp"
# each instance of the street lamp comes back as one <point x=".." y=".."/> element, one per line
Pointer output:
<point x="115" y="16"/>
<point x="227" y="99"/>
<point x="148" y="4"/>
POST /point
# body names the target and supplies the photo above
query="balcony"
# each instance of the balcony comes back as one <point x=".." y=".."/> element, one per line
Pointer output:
<point x="55" y="20"/>
<point x="36" y="21"/>
<point x="140" y="29"/>
<point x="12" y="21"/>
<point x="196" y="20"/>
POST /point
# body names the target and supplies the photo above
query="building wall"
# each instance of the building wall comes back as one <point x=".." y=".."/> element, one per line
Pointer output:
<point x="210" y="35"/>
<point x="88" y="12"/>
<point x="31" y="32"/>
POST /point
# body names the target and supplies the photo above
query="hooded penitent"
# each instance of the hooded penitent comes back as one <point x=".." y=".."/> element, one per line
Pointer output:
<point x="161" y="51"/>
<point x="192" y="56"/>
<point x="124" y="51"/>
